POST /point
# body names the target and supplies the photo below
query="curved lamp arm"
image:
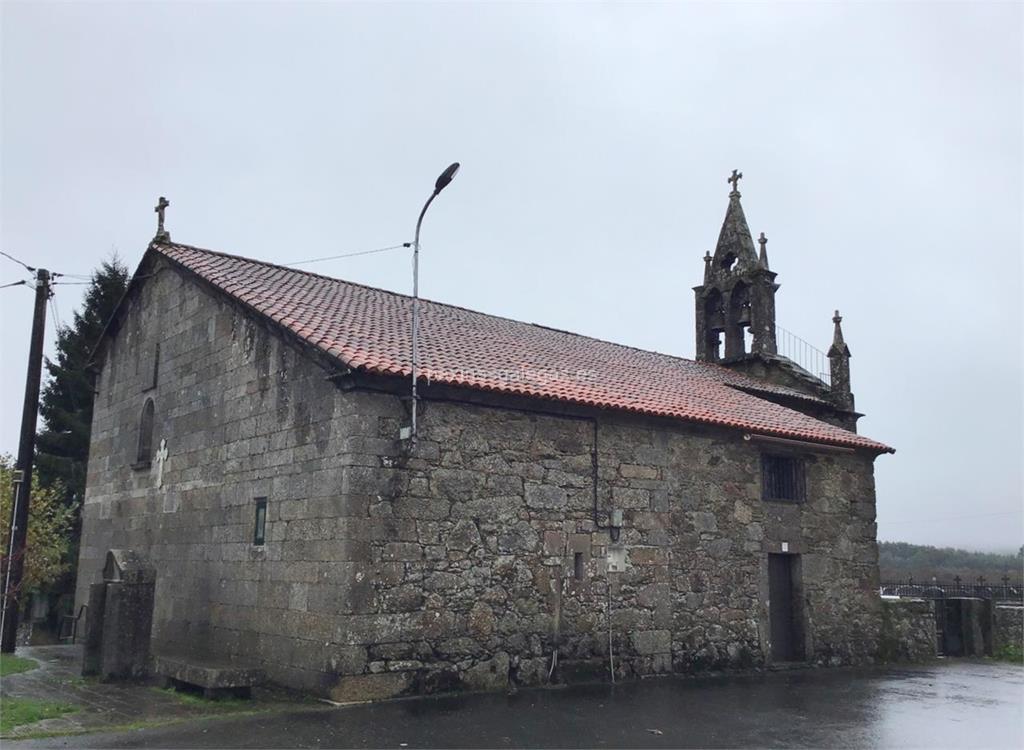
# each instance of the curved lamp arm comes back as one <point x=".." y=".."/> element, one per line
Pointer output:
<point x="442" y="182"/>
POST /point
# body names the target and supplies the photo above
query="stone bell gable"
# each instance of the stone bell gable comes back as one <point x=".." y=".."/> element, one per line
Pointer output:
<point x="735" y="325"/>
<point x="738" y="293"/>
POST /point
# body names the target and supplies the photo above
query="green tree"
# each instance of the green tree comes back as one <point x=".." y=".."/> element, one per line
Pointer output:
<point x="899" y="560"/>
<point x="62" y="446"/>
<point x="50" y="520"/>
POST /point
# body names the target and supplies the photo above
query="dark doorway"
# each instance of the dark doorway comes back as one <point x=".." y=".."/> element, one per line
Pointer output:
<point x="965" y="626"/>
<point x="784" y="608"/>
<point x="950" y="611"/>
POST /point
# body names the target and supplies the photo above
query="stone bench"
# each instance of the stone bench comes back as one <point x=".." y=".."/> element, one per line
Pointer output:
<point x="217" y="678"/>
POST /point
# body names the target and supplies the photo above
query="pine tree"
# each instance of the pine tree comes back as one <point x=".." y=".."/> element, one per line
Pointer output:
<point x="66" y="405"/>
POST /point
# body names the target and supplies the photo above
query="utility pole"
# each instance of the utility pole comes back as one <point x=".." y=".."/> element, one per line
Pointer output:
<point x="22" y="490"/>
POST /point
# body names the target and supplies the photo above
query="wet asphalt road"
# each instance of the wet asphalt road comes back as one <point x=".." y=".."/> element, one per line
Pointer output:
<point x="961" y="704"/>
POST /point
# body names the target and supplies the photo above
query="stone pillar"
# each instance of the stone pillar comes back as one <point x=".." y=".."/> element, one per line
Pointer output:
<point x="735" y="346"/>
<point x="703" y="348"/>
<point x="127" y="624"/>
<point x="120" y="618"/>
<point x="839" y="364"/>
<point x="91" y="649"/>
<point x="762" y="313"/>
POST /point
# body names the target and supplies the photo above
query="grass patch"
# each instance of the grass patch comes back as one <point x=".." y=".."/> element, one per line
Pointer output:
<point x="80" y="681"/>
<point x="1011" y="652"/>
<point x="17" y="711"/>
<point x="196" y="700"/>
<point x="135" y="726"/>
<point x="11" y="664"/>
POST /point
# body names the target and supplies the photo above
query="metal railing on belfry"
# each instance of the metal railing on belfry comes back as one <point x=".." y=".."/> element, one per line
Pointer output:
<point x="812" y="359"/>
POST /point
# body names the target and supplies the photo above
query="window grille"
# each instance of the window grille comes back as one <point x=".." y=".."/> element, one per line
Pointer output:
<point x="782" y="478"/>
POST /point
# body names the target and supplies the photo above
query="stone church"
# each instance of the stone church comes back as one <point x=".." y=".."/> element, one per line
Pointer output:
<point x="567" y="509"/>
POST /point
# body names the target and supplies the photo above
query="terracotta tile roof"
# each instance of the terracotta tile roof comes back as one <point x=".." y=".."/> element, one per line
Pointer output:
<point x="369" y="329"/>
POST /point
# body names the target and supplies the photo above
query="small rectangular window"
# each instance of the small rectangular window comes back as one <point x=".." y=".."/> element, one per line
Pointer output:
<point x="260" y="533"/>
<point x="577" y="566"/>
<point x="782" y="478"/>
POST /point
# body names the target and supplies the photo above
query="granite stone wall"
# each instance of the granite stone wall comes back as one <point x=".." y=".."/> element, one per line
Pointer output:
<point x="476" y="559"/>
<point x="908" y="630"/>
<point x="1007" y="627"/>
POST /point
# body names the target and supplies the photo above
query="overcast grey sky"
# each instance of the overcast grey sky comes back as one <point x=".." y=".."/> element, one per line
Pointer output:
<point x="881" y="146"/>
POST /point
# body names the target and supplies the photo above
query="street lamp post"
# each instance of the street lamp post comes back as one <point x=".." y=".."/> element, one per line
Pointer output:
<point x="442" y="182"/>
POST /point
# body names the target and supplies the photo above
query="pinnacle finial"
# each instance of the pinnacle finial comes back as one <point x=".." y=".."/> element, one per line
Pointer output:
<point x="838" y="343"/>
<point x="161" y="234"/>
<point x="735" y="182"/>
<point x="763" y="258"/>
<point x="839" y="368"/>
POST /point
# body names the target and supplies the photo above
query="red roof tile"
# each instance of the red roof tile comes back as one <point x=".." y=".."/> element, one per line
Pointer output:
<point x="369" y="329"/>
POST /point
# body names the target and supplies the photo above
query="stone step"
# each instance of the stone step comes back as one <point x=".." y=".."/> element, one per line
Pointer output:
<point x="216" y="676"/>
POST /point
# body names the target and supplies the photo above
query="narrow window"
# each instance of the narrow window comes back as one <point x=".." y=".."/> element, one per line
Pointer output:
<point x="144" y="454"/>
<point x="577" y="566"/>
<point x="259" y="536"/>
<point x="156" y="366"/>
<point x="111" y="379"/>
<point x="782" y="478"/>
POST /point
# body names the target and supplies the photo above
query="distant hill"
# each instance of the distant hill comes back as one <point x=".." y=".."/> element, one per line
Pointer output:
<point x="899" y="560"/>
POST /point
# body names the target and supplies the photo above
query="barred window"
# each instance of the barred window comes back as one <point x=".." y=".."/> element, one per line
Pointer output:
<point x="782" y="478"/>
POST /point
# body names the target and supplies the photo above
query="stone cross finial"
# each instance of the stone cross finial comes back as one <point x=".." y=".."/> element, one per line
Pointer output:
<point x="161" y="206"/>
<point x="161" y="459"/>
<point x="838" y="343"/>
<point x="735" y="180"/>
<point x="762" y="240"/>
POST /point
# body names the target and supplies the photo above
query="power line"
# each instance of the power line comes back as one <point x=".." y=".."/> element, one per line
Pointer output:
<point x="53" y="274"/>
<point x="15" y="283"/>
<point x="20" y="263"/>
<point x="57" y="326"/>
<point x="348" y="255"/>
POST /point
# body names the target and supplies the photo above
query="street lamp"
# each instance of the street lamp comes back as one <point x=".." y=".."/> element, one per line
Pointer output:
<point x="442" y="182"/>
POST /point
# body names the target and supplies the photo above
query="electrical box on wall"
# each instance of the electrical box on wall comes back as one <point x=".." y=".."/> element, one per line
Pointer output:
<point x="616" y="559"/>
